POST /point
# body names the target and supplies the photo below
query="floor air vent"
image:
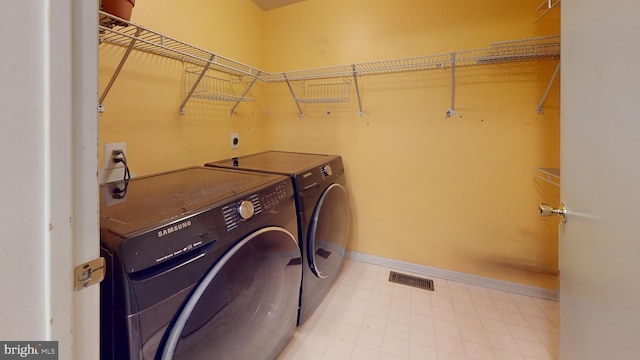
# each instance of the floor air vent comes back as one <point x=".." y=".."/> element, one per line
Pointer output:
<point x="411" y="280"/>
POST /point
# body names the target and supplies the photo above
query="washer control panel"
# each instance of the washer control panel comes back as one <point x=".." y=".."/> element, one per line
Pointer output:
<point x="196" y="231"/>
<point x="273" y="197"/>
<point x="245" y="209"/>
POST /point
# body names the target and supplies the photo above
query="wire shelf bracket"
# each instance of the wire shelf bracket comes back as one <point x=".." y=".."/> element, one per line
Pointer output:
<point x="545" y="7"/>
<point x="195" y="85"/>
<point x="451" y="111"/>
<point x="550" y="175"/>
<point x="546" y="91"/>
<point x="117" y="71"/>
<point x="293" y="94"/>
<point x="243" y="96"/>
<point x="355" y="82"/>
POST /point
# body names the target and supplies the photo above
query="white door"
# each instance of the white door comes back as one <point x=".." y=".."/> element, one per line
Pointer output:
<point x="600" y="159"/>
<point x="49" y="212"/>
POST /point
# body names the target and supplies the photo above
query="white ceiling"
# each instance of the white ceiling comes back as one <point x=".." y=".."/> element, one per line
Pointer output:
<point x="272" y="4"/>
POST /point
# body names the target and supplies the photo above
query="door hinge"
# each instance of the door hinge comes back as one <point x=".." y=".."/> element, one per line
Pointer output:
<point x="89" y="273"/>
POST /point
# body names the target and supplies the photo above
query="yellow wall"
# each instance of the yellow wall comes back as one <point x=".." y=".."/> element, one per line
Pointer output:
<point x="142" y="107"/>
<point x="454" y="193"/>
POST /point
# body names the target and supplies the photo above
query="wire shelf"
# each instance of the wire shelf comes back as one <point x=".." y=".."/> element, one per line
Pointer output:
<point x="211" y="87"/>
<point x="146" y="40"/>
<point x="222" y="97"/>
<point x="325" y="92"/>
<point x="547" y="47"/>
<point x="119" y="32"/>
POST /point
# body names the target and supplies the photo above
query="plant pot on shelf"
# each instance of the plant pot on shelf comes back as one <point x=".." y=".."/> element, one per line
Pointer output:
<point x="119" y="8"/>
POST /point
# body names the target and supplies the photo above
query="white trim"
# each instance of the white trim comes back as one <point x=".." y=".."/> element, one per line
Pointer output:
<point x="86" y="204"/>
<point x="456" y="276"/>
<point x="47" y="226"/>
<point x="58" y="167"/>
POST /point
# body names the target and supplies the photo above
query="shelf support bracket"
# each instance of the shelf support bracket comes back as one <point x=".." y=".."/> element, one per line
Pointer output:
<point x="196" y="83"/>
<point x="246" y="91"/>
<point x="118" y="69"/>
<point x="550" y="4"/>
<point x="546" y="91"/>
<point x="294" y="95"/>
<point x="355" y="81"/>
<point x="452" y="110"/>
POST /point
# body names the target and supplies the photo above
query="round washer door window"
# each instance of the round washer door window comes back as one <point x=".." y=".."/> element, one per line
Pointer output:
<point x="328" y="232"/>
<point x="245" y="307"/>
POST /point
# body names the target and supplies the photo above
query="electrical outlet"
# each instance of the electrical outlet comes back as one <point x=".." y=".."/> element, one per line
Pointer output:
<point x="110" y="197"/>
<point x="109" y="148"/>
<point x="235" y="140"/>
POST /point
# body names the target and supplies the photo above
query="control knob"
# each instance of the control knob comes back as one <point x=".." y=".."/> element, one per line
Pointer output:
<point x="245" y="209"/>
<point x="326" y="171"/>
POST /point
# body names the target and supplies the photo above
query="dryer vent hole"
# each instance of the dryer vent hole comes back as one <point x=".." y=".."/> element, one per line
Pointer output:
<point x="410" y="280"/>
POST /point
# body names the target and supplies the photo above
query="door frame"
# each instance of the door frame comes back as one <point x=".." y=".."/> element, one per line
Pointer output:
<point x="71" y="203"/>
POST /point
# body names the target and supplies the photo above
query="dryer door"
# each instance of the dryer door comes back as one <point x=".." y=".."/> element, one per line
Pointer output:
<point x="328" y="232"/>
<point x="245" y="307"/>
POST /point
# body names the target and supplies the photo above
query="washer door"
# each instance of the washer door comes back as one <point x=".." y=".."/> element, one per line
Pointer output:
<point x="245" y="307"/>
<point x="328" y="232"/>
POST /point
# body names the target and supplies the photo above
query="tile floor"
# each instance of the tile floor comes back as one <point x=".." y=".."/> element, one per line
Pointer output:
<point x="365" y="317"/>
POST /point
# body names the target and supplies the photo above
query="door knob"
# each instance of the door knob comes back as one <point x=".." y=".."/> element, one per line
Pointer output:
<point x="546" y="210"/>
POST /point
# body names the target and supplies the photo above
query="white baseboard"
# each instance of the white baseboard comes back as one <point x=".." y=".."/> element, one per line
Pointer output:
<point x="456" y="276"/>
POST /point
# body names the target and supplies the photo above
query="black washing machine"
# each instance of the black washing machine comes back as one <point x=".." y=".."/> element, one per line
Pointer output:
<point x="323" y="214"/>
<point x="202" y="263"/>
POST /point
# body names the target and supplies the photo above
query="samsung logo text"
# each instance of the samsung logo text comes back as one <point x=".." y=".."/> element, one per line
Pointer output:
<point x="174" y="228"/>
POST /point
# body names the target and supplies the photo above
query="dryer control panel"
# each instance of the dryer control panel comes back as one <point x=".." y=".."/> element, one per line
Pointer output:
<point x="326" y="171"/>
<point x="317" y="175"/>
